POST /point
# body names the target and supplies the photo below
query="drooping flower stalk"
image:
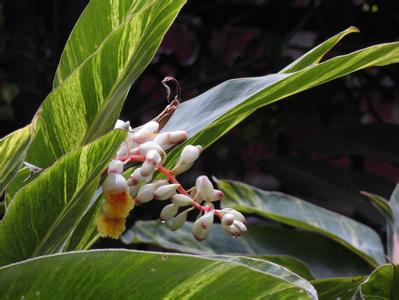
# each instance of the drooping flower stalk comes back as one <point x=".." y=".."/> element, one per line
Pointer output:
<point x="147" y="147"/>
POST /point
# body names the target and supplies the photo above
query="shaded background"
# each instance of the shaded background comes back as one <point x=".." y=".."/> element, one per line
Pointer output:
<point x="323" y="145"/>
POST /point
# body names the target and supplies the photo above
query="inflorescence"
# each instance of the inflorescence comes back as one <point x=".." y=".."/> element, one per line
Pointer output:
<point x="146" y="146"/>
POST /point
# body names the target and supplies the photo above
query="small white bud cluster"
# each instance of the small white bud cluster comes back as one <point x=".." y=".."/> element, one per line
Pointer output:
<point x="147" y="146"/>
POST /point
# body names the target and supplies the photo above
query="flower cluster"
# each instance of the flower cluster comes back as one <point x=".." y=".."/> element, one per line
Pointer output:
<point x="146" y="146"/>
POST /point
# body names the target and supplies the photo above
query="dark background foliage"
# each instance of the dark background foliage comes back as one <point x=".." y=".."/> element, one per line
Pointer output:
<point x="323" y="145"/>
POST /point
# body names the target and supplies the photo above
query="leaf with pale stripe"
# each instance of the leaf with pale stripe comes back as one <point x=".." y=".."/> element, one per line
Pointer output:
<point x="117" y="274"/>
<point x="45" y="211"/>
<point x="324" y="257"/>
<point x="210" y="115"/>
<point x="13" y="149"/>
<point x="337" y="288"/>
<point x="290" y="210"/>
<point x="110" y="46"/>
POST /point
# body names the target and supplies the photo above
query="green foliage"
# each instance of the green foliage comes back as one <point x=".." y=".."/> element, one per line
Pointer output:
<point x="54" y="210"/>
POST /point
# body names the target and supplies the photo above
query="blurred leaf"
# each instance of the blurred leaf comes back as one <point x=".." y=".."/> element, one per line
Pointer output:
<point x="317" y="53"/>
<point x="110" y="46"/>
<point x="379" y="285"/>
<point x="324" y="257"/>
<point x="8" y="92"/>
<point x="45" y="211"/>
<point x="337" y="288"/>
<point x="393" y="231"/>
<point x="210" y="115"/>
<point x="292" y="211"/>
<point x="117" y="274"/>
<point x="12" y="154"/>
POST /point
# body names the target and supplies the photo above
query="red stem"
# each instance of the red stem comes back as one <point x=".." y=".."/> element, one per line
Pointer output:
<point x="172" y="179"/>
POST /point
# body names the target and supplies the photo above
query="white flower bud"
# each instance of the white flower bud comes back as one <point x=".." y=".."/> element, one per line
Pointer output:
<point x="166" y="191"/>
<point x="152" y="158"/>
<point x="233" y="230"/>
<point x="147" y="146"/>
<point x="207" y="219"/>
<point x="217" y="195"/>
<point x="114" y="183"/>
<point x="168" y="212"/>
<point x="199" y="232"/>
<point x="151" y="126"/>
<point x="168" y="139"/>
<point x="136" y="178"/>
<point x="181" y="200"/>
<point x="115" y="166"/>
<point x="187" y="158"/>
<point x="178" y="221"/>
<point x="228" y="219"/>
<point x="146" y="192"/>
<point x="240" y="225"/>
<point x="237" y="215"/>
<point x="205" y="188"/>
<point x="122" y="125"/>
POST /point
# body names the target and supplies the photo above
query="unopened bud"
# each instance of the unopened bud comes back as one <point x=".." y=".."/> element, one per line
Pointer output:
<point x="217" y="195"/>
<point x="187" y="158"/>
<point x="146" y="132"/>
<point x="166" y="191"/>
<point x="205" y="188"/>
<point x="120" y="124"/>
<point x="152" y="158"/>
<point x="168" y="212"/>
<point x="237" y="215"/>
<point x="199" y="232"/>
<point x="136" y="178"/>
<point x="233" y="230"/>
<point x="228" y="219"/>
<point x="146" y="192"/>
<point x="178" y="221"/>
<point x="147" y="146"/>
<point x="168" y="139"/>
<point x="181" y="200"/>
<point x="207" y="219"/>
<point x="115" y="166"/>
<point x="114" y="182"/>
<point x="240" y="226"/>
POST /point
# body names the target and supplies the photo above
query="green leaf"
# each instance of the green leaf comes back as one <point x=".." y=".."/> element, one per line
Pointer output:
<point x="291" y="263"/>
<point x="210" y="115"/>
<point x="120" y="274"/>
<point x="381" y="204"/>
<point x="381" y="284"/>
<point x="337" y="288"/>
<point x="45" y="211"/>
<point x="317" y="53"/>
<point x="292" y="211"/>
<point x="110" y="46"/>
<point x="20" y="179"/>
<point x="13" y="149"/>
<point x="324" y="257"/>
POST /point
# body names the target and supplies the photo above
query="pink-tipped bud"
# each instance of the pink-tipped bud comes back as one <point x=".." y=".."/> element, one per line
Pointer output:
<point x="147" y="146"/>
<point x="168" y="139"/>
<point x="151" y="126"/>
<point x="237" y="215"/>
<point x="228" y="219"/>
<point x="217" y="195"/>
<point x="205" y="188"/>
<point x="146" y="132"/>
<point x="122" y="125"/>
<point x="115" y="166"/>
<point x="232" y="230"/>
<point x="152" y="158"/>
<point x="181" y="200"/>
<point x="178" y="221"/>
<point x="199" y="232"/>
<point x="114" y="182"/>
<point x="207" y="219"/>
<point x="146" y="192"/>
<point x="136" y="178"/>
<point x="166" y="191"/>
<point x="168" y="212"/>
